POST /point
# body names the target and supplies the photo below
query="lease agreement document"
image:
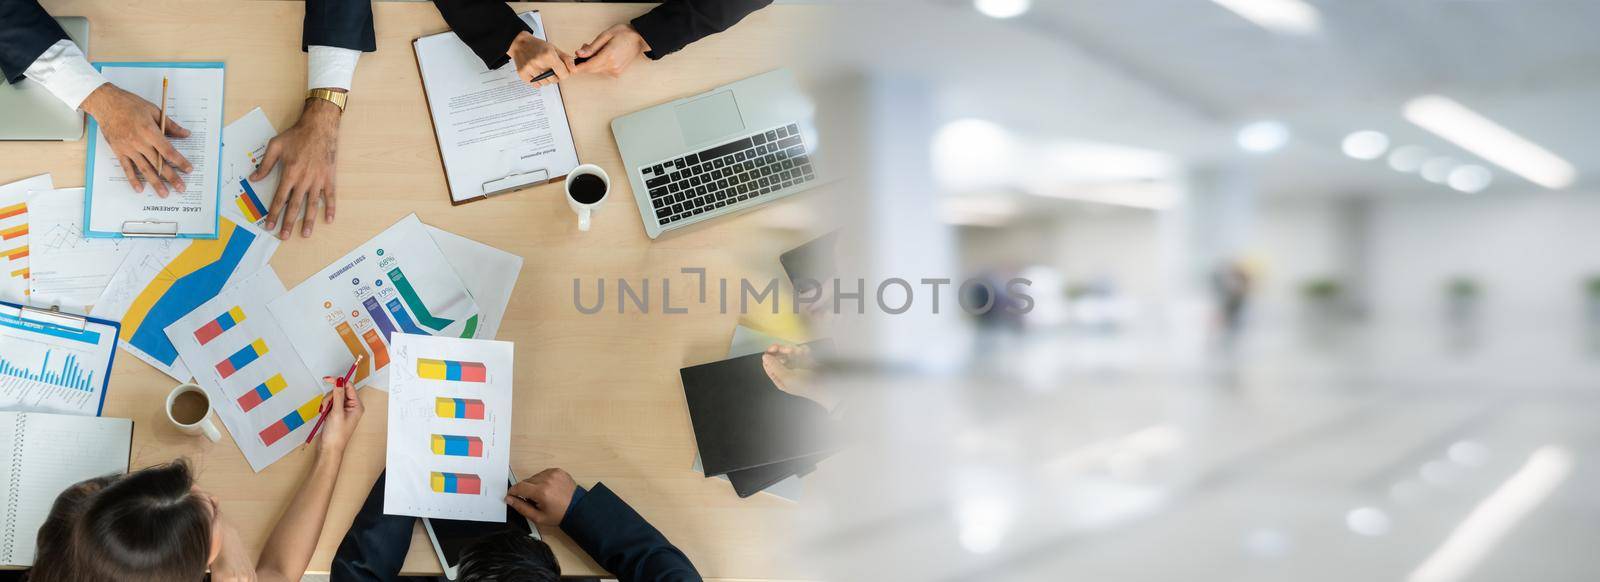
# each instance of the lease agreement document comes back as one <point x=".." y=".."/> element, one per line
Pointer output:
<point x="194" y="101"/>
<point x="496" y="132"/>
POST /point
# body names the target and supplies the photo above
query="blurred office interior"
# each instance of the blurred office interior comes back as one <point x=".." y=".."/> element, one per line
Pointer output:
<point x="1315" y="283"/>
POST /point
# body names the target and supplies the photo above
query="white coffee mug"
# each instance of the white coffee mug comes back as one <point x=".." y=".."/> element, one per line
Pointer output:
<point x="202" y="426"/>
<point x="584" y="210"/>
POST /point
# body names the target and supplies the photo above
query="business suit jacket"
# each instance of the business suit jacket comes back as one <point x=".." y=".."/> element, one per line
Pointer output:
<point x="488" y="26"/>
<point x="338" y="23"/>
<point x="26" y="30"/>
<point x="610" y="531"/>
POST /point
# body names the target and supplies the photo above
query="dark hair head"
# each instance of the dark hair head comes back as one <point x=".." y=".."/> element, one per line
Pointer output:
<point x="149" y="525"/>
<point x="509" y="556"/>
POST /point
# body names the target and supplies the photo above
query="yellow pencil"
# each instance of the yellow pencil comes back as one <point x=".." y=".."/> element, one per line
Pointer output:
<point x="160" y="159"/>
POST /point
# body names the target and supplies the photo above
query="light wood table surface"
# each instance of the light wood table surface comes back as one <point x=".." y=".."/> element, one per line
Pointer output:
<point x="598" y="395"/>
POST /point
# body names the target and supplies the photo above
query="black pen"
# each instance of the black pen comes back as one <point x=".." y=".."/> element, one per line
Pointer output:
<point x="552" y="72"/>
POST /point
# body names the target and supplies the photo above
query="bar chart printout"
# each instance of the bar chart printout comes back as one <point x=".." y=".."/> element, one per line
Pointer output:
<point x="46" y="367"/>
<point x="449" y="427"/>
<point x="253" y="373"/>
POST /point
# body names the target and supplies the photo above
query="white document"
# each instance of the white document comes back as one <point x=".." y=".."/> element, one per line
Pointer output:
<point x="244" y="143"/>
<point x="496" y="132"/>
<point x="42" y="455"/>
<point x="163" y="280"/>
<point x="450" y="413"/>
<point x="14" y="236"/>
<point x="256" y="380"/>
<point x="49" y="366"/>
<point x="70" y="271"/>
<point x="397" y="283"/>
<point x="490" y="275"/>
<point x="194" y="100"/>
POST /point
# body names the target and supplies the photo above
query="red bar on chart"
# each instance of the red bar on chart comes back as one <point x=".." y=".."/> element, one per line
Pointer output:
<point x="217" y="326"/>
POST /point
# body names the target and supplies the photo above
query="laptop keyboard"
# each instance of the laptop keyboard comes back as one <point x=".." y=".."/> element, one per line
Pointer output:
<point x="727" y="174"/>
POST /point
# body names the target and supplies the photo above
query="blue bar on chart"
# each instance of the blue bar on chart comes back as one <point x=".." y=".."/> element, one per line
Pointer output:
<point x="70" y="375"/>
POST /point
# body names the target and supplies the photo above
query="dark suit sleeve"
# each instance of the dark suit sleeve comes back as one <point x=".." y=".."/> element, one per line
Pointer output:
<point x="375" y="547"/>
<point x="338" y="23"/>
<point x="488" y="26"/>
<point x="26" y="30"/>
<point x="622" y="542"/>
<point x="677" y="23"/>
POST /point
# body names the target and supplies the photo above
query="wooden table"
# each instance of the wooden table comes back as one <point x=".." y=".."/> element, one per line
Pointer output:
<point x="599" y="394"/>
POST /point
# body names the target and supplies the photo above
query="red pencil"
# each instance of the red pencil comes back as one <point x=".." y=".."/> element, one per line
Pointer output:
<point x="322" y="414"/>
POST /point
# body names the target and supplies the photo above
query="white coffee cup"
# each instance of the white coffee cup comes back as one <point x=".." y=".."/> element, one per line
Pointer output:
<point x="201" y="426"/>
<point x="585" y="210"/>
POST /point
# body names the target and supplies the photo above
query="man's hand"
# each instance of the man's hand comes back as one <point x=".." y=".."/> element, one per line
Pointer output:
<point x="344" y="413"/>
<point x="533" y="57"/>
<point x="132" y="126"/>
<point x="308" y="151"/>
<point x="793" y="369"/>
<point x="612" y="52"/>
<point x="543" y="498"/>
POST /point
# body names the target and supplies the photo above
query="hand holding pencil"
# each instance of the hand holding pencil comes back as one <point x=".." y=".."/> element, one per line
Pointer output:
<point x="343" y="410"/>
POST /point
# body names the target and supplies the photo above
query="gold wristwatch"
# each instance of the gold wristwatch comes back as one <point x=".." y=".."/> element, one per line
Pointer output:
<point x="337" y="98"/>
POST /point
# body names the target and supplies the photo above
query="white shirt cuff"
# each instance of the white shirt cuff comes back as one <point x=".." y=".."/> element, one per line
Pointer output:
<point x="330" y="66"/>
<point x="64" y="71"/>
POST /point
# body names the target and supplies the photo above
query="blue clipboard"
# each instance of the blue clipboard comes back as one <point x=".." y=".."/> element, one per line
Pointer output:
<point x="93" y="133"/>
<point x="63" y="327"/>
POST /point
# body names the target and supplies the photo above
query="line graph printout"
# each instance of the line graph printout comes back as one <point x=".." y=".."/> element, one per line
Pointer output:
<point x="397" y="283"/>
<point x="49" y="368"/>
<point x="449" y="433"/>
<point x="68" y="271"/>
<point x="163" y="280"/>
<point x="252" y="372"/>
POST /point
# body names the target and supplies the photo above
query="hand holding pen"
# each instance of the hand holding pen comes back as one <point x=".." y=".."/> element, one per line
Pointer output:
<point x="341" y="412"/>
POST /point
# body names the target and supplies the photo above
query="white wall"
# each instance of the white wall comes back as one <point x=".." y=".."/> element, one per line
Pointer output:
<point x="1530" y="253"/>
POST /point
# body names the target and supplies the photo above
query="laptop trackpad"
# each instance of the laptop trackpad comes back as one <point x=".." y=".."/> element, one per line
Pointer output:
<point x="709" y="117"/>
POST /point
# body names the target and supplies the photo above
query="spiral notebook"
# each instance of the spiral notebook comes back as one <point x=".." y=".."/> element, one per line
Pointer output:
<point x="42" y="455"/>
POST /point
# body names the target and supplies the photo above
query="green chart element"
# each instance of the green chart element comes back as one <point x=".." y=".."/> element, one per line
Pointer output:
<point x="414" y="301"/>
<point x="471" y="328"/>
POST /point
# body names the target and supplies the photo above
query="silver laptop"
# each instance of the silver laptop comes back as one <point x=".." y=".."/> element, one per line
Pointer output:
<point x="29" y="112"/>
<point x="727" y="150"/>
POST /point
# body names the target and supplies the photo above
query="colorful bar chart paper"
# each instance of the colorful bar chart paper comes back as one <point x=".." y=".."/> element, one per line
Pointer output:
<point x="262" y="392"/>
<point x="451" y="370"/>
<point x="457" y="446"/>
<point x="458" y="483"/>
<point x="291" y="421"/>
<point x="217" y="326"/>
<point x="466" y="408"/>
<point x="249" y="204"/>
<point x="242" y="358"/>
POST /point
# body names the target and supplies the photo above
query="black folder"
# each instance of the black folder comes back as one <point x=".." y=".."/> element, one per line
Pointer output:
<point x="742" y="422"/>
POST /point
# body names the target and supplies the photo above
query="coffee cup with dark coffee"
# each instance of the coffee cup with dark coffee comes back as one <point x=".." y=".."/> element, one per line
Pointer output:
<point x="189" y="408"/>
<point x="587" y="187"/>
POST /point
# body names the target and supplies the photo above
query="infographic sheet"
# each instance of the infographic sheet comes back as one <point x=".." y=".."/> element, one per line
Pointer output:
<point x="397" y="283"/>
